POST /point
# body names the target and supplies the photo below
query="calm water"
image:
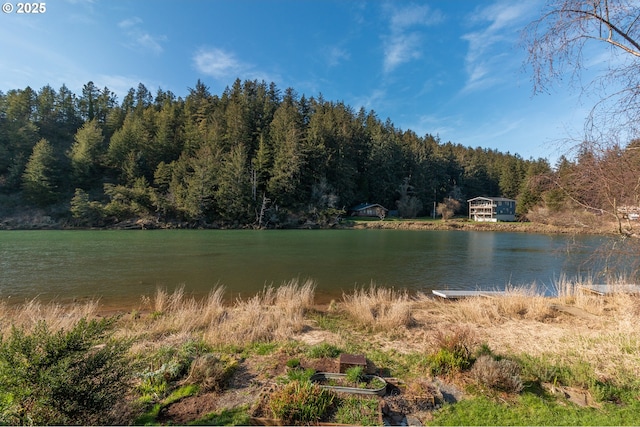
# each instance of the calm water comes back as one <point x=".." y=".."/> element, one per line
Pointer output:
<point x="120" y="266"/>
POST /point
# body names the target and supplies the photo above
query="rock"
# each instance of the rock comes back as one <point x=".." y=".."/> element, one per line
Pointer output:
<point x="412" y="421"/>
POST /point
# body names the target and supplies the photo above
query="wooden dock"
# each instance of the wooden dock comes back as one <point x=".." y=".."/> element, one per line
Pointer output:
<point x="624" y="288"/>
<point x="452" y="294"/>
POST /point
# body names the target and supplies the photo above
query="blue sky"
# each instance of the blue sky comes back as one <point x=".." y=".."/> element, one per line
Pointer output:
<point x="448" y="68"/>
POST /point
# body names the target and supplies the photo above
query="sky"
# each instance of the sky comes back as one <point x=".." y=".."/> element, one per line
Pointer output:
<point x="452" y="68"/>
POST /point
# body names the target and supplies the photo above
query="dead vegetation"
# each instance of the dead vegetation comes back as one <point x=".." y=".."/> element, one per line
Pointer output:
<point x="378" y="320"/>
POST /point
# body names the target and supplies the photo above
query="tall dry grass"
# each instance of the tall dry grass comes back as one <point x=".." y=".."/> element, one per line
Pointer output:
<point x="274" y="313"/>
<point x="517" y="303"/>
<point x="378" y="308"/>
<point x="56" y="315"/>
<point x="172" y="312"/>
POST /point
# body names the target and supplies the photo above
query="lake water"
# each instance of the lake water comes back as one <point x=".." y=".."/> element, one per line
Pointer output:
<point x="120" y="266"/>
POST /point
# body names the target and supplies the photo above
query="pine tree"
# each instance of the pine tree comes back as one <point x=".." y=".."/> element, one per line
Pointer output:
<point x="233" y="195"/>
<point x="286" y="134"/>
<point x="86" y="152"/>
<point x="38" y="180"/>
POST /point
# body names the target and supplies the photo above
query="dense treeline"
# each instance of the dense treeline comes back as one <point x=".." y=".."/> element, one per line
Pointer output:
<point x="250" y="156"/>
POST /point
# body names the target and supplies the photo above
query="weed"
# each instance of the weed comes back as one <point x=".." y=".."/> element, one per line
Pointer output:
<point x="355" y="374"/>
<point x="454" y="352"/>
<point x="502" y="375"/>
<point x="323" y="350"/>
<point x="166" y="366"/>
<point x="300" y="375"/>
<point x="211" y="371"/>
<point x="359" y="411"/>
<point x="445" y="361"/>
<point x="301" y="402"/>
<point x="151" y="416"/>
<point x="264" y="348"/>
<point x="331" y="322"/>
<point x="293" y="363"/>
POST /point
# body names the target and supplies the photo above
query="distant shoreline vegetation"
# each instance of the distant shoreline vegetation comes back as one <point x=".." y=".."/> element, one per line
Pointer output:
<point x="37" y="221"/>
<point x="253" y="156"/>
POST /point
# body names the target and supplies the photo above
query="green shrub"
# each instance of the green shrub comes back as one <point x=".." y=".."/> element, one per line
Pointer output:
<point x="168" y="365"/>
<point x="447" y="362"/>
<point x="63" y="377"/>
<point x="453" y="353"/>
<point x="301" y="402"/>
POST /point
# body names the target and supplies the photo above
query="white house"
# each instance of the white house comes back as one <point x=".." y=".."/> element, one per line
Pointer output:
<point x="492" y="209"/>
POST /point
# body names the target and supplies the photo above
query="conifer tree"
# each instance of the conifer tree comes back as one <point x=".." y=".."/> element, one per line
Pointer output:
<point x="39" y="181"/>
<point x="86" y="152"/>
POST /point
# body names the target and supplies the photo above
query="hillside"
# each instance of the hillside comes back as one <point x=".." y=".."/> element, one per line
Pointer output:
<point x="253" y="155"/>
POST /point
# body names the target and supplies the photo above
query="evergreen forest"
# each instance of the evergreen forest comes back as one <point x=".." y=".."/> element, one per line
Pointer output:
<point x="252" y="156"/>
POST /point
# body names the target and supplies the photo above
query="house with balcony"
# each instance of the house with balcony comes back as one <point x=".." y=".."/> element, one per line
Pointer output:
<point x="492" y="209"/>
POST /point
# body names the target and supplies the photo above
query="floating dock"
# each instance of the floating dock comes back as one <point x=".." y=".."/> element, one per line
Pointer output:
<point x="623" y="288"/>
<point x="451" y="294"/>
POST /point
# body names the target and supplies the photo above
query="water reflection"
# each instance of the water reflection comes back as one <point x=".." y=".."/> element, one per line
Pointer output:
<point x="119" y="267"/>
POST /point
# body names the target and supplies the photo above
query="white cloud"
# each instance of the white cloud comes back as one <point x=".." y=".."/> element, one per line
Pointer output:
<point x="140" y="39"/>
<point x="223" y="65"/>
<point x="486" y="62"/>
<point x="130" y="23"/>
<point x="336" y="55"/>
<point x="404" y="43"/>
<point x="217" y="63"/>
<point x="414" y="15"/>
<point x="118" y="84"/>
<point x="370" y="101"/>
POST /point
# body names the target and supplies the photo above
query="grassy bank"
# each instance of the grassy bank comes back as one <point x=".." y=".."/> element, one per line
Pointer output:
<point x="562" y="227"/>
<point x="519" y="359"/>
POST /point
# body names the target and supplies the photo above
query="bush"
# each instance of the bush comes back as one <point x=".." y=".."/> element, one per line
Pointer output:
<point x="445" y="361"/>
<point x="502" y="375"/>
<point x="301" y="403"/>
<point x="454" y="352"/>
<point x="167" y="366"/>
<point x="212" y="372"/>
<point x="64" y="378"/>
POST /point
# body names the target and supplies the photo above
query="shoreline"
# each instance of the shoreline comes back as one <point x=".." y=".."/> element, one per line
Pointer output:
<point x="466" y="225"/>
<point x="456" y="224"/>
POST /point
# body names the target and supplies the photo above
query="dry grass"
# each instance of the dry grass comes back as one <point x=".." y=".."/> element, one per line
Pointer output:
<point x="519" y="303"/>
<point x="57" y="316"/>
<point x="274" y="313"/>
<point x="378" y="308"/>
<point x="270" y="315"/>
<point x="522" y="322"/>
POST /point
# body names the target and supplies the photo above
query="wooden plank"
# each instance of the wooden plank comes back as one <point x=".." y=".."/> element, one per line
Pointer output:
<point x="453" y="294"/>
<point x="624" y="288"/>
